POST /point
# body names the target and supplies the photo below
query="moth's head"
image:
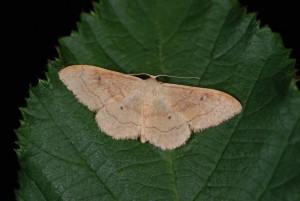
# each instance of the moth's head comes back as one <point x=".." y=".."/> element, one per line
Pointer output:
<point x="145" y="76"/>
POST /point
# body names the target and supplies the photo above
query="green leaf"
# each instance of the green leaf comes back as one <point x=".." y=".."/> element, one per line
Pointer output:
<point x="254" y="156"/>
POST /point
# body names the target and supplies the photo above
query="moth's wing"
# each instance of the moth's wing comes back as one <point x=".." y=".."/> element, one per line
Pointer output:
<point x="122" y="119"/>
<point x="201" y="107"/>
<point x="96" y="87"/>
<point x="162" y="126"/>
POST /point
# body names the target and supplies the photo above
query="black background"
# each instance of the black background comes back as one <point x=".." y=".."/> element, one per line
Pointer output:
<point x="30" y="31"/>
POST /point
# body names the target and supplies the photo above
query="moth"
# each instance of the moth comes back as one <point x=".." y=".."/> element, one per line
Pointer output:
<point x="128" y="107"/>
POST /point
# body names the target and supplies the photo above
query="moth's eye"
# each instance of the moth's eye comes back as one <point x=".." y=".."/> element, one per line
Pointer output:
<point x="121" y="108"/>
<point x="169" y="117"/>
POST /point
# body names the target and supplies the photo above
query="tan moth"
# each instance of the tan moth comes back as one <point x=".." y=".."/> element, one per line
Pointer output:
<point x="128" y="107"/>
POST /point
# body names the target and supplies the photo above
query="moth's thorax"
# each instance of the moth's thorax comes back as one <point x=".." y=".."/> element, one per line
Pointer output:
<point x="151" y="89"/>
<point x="151" y="86"/>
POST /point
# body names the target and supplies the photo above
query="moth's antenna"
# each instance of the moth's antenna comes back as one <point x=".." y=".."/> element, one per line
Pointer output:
<point x="156" y="76"/>
<point x="181" y="77"/>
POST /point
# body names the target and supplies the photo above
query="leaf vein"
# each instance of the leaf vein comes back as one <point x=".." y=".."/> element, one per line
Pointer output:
<point x="75" y="148"/>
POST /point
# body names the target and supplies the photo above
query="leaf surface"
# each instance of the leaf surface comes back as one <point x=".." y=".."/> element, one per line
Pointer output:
<point x="254" y="156"/>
